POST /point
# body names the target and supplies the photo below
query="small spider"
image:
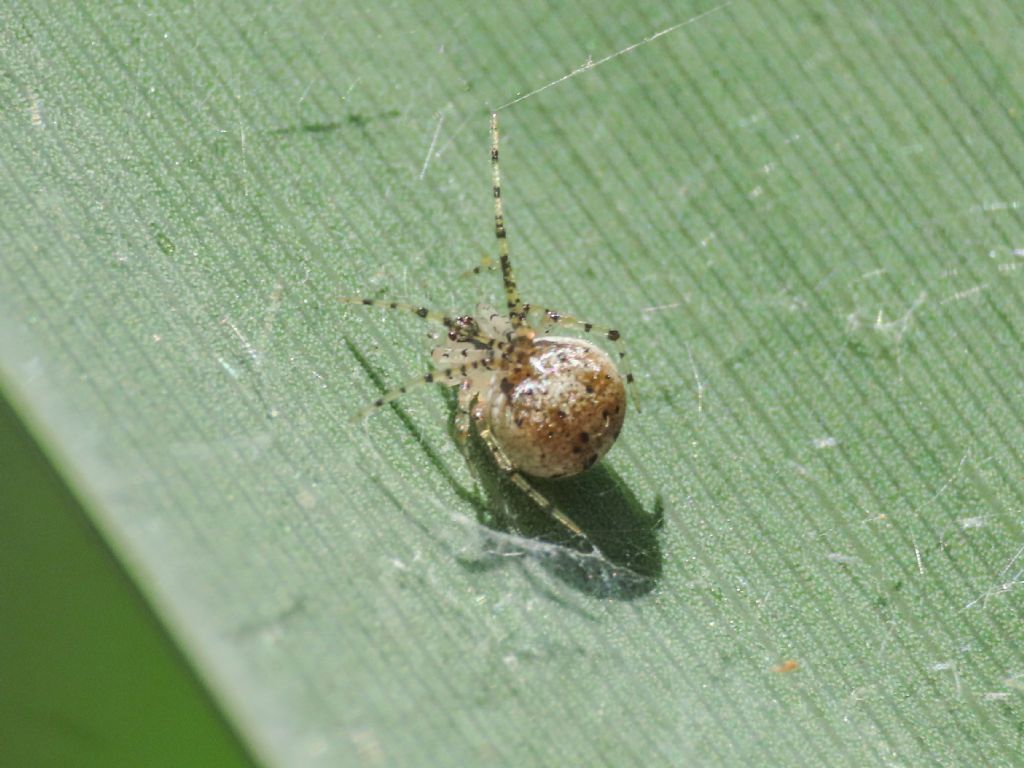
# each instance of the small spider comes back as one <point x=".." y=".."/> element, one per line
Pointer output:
<point x="546" y="406"/>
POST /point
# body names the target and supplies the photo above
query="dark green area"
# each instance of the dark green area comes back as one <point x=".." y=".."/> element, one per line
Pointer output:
<point x="87" y="675"/>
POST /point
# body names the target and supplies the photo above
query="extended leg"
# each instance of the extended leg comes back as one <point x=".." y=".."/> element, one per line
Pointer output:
<point x="487" y="264"/>
<point x="450" y="376"/>
<point x="507" y="469"/>
<point x="515" y="306"/>
<point x="412" y="309"/>
<point x="462" y="420"/>
<point x="551" y="318"/>
<point x="457" y="355"/>
<point x="459" y="328"/>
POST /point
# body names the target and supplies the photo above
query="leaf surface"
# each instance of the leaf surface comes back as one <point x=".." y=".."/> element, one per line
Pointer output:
<point x="805" y="218"/>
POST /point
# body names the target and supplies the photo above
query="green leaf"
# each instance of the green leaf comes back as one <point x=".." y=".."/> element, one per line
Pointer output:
<point x="806" y="220"/>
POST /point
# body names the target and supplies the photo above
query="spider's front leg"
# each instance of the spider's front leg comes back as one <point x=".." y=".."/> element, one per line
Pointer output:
<point x="508" y="470"/>
<point x="451" y="372"/>
<point x="435" y="376"/>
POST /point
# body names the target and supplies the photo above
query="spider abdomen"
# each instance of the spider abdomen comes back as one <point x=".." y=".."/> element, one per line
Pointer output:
<point x="560" y="412"/>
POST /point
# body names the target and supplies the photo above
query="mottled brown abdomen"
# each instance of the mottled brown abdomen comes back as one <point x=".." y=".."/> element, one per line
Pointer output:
<point x="560" y="413"/>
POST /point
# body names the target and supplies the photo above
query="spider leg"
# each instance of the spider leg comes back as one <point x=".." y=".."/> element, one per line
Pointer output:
<point x="451" y="323"/>
<point x="486" y="264"/>
<point x="451" y="376"/>
<point x="515" y="306"/>
<point x="507" y="469"/>
<point x="412" y="309"/>
<point x="553" y="318"/>
<point x="458" y="355"/>
<point x="463" y="418"/>
<point x="491" y="322"/>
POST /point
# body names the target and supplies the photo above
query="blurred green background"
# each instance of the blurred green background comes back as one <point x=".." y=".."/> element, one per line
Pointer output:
<point x="805" y="217"/>
<point x="89" y="678"/>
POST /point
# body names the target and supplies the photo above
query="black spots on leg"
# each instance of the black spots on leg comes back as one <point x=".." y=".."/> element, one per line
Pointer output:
<point x="378" y="402"/>
<point x="368" y="302"/>
<point x="494" y="155"/>
<point x="497" y="191"/>
<point x="428" y="378"/>
<point x="613" y="335"/>
<point x="506" y="386"/>
<point x="588" y="327"/>
<point x="584" y="437"/>
<point x="422" y="311"/>
<point x="629" y="378"/>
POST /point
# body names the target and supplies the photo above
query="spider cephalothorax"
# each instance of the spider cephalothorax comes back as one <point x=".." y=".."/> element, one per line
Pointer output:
<point x="546" y="406"/>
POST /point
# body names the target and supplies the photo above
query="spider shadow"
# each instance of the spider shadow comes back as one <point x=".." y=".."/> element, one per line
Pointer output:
<point x="438" y="463"/>
<point x="627" y="562"/>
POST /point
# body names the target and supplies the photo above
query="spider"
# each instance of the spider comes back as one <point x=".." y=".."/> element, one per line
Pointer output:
<point x="544" y="406"/>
